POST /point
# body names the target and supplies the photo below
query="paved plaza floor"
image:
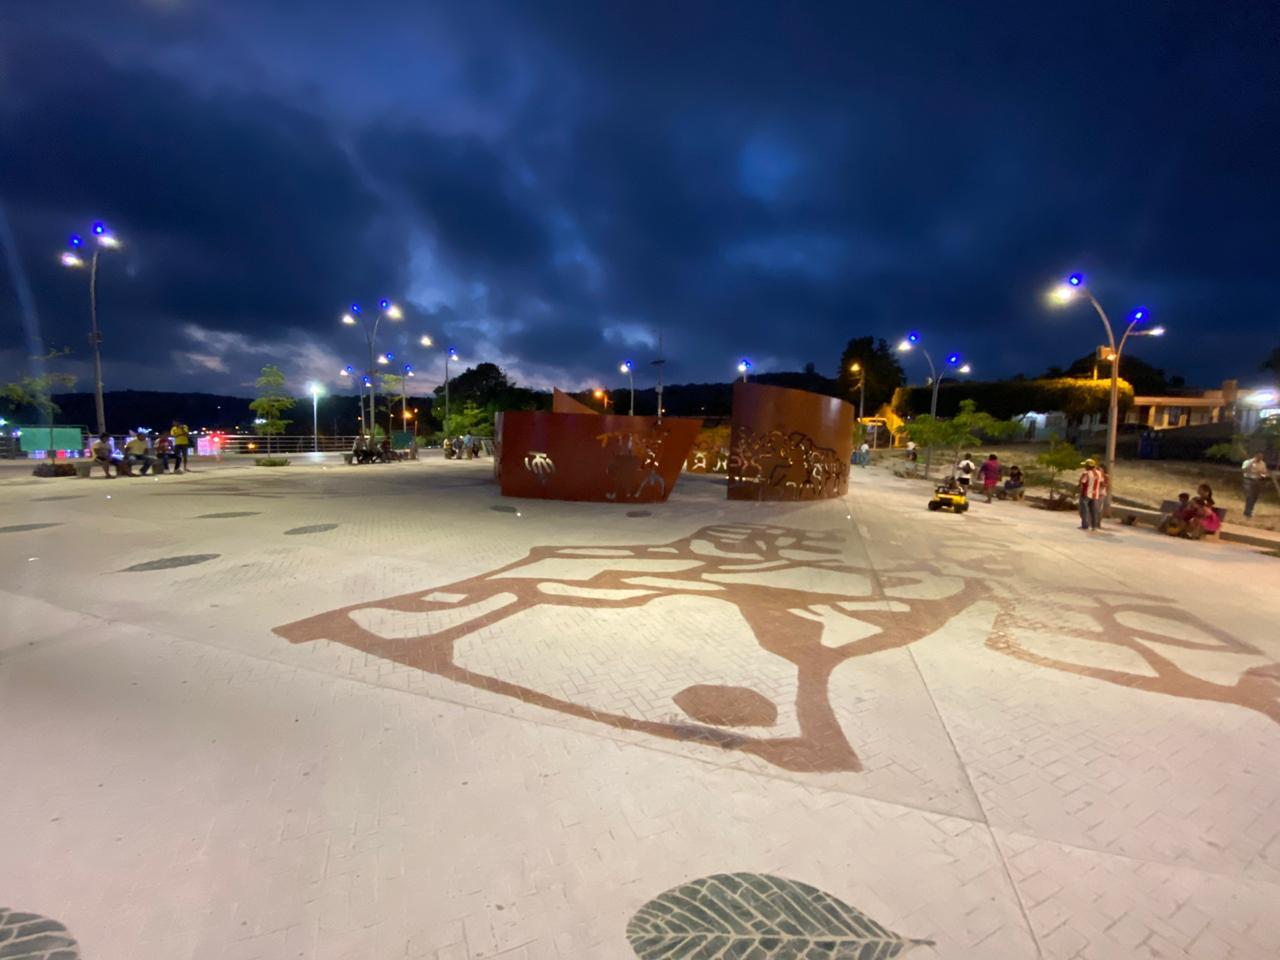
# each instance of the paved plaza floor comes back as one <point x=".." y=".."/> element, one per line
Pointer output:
<point x="381" y="712"/>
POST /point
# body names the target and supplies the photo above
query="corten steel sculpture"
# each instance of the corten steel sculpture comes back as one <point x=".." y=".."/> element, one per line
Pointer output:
<point x="788" y="444"/>
<point x="601" y="457"/>
<point x="710" y="453"/>
<point x="562" y="402"/>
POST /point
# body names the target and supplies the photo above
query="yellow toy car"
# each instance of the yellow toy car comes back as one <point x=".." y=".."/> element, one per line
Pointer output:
<point x="950" y="497"/>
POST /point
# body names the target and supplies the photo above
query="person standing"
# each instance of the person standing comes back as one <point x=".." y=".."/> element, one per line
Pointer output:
<point x="1093" y="490"/>
<point x="911" y="452"/>
<point x="965" y="470"/>
<point x="181" y="444"/>
<point x="864" y="453"/>
<point x="990" y="474"/>
<point x="1254" y="472"/>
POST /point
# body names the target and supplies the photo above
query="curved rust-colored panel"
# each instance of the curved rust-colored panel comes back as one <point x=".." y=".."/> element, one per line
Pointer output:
<point x="710" y="453"/>
<point x="562" y="402"/>
<point x="788" y="444"/>
<point x="570" y="456"/>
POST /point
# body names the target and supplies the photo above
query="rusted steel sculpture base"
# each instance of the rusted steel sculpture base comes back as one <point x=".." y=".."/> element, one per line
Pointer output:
<point x="788" y="444"/>
<point x="575" y="456"/>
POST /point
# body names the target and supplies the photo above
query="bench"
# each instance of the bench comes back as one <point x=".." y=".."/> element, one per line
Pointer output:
<point x="85" y="465"/>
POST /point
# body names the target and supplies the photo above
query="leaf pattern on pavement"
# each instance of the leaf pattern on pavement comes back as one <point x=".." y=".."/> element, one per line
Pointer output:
<point x="29" y="936"/>
<point x="741" y="915"/>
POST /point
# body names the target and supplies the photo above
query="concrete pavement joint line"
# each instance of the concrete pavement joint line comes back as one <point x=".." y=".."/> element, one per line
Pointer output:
<point x="535" y="717"/>
<point x="973" y="792"/>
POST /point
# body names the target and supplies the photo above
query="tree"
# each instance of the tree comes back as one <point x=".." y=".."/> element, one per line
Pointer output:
<point x="472" y="419"/>
<point x="482" y="384"/>
<point x="36" y="392"/>
<point x="1146" y="379"/>
<point x="273" y="401"/>
<point x="1272" y="363"/>
<point x="1059" y="457"/>
<point x="880" y="367"/>
<point x="966" y="429"/>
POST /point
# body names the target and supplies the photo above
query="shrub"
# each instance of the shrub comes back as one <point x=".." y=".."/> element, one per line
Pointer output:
<point x="51" y="469"/>
<point x="272" y="461"/>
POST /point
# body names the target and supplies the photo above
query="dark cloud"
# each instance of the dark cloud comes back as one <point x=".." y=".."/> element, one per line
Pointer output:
<point x="550" y="183"/>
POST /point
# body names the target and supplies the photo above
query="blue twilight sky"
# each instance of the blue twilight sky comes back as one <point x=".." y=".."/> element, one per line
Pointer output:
<point x="546" y="184"/>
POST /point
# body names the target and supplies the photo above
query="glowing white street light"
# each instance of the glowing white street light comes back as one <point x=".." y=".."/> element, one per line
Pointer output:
<point x="452" y="355"/>
<point x="353" y="317"/>
<point x="73" y="258"/>
<point x="909" y="343"/>
<point x="426" y="341"/>
<point x="315" y="390"/>
<point x="628" y="368"/>
<point x="744" y="367"/>
<point x="1065" y="293"/>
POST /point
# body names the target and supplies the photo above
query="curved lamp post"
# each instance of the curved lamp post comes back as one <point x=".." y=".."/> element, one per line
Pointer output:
<point x="744" y="368"/>
<point x="1071" y="290"/>
<point x="953" y="359"/>
<point x="451" y="355"/>
<point x="627" y="368"/>
<point x="74" y="258"/>
<point x="356" y="318"/>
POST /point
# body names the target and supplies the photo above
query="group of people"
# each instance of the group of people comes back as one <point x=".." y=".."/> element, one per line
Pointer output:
<point x="990" y="474"/>
<point x="365" y="450"/>
<point x="151" y="453"/>
<point x="1193" y="517"/>
<point x="462" y="448"/>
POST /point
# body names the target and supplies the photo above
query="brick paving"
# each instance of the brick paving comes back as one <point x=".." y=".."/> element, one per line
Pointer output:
<point x="990" y="731"/>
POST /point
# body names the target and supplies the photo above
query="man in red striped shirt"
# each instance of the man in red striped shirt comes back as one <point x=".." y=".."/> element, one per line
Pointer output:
<point x="1093" y="489"/>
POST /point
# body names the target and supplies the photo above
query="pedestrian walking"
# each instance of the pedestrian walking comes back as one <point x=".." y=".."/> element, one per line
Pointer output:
<point x="912" y="454"/>
<point x="989" y="472"/>
<point x="1254" y="474"/>
<point x="1093" y="490"/>
<point x="181" y="443"/>
<point x="964" y="472"/>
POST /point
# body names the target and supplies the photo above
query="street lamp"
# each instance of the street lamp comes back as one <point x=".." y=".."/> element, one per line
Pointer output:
<point x="744" y="367"/>
<point x="1068" y="292"/>
<point x="74" y="259"/>
<point x="909" y="343"/>
<point x="451" y="355"/>
<point x="603" y="397"/>
<point x="627" y="368"/>
<point x="355" y="317"/>
<point x="315" y="390"/>
<point x="856" y="367"/>
<point x="404" y="400"/>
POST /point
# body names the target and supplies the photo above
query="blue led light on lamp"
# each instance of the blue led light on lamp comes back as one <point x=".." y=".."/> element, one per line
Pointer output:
<point x="1139" y="314"/>
<point x="953" y="359"/>
<point x="1076" y="279"/>
<point x="355" y="308"/>
<point x="99" y="228"/>
<point x="913" y="338"/>
<point x="384" y="303"/>
<point x="76" y="242"/>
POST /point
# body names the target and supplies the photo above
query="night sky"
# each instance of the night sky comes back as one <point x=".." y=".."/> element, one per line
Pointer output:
<point x="545" y="185"/>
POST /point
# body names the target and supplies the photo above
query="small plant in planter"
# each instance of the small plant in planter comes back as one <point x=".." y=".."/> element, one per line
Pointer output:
<point x="272" y="403"/>
<point x="1060" y="456"/>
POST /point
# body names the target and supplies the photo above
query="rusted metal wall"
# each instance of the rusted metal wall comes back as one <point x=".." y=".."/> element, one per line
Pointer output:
<point x="710" y="453"/>
<point x="604" y="457"/>
<point x="788" y="444"/>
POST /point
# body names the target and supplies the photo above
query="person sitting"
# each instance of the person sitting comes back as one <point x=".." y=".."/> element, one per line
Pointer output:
<point x="1205" y="493"/>
<point x="165" y="452"/>
<point x="1015" y="485"/>
<point x="385" y="453"/>
<point x="1174" y="523"/>
<point x="1204" y="521"/>
<point x="360" y="450"/>
<point x="103" y="454"/>
<point x="138" y="451"/>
